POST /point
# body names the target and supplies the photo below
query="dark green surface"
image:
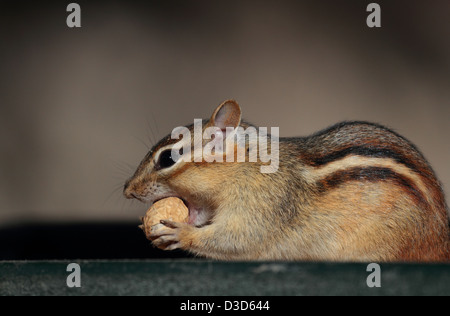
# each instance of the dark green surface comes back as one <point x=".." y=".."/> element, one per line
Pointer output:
<point x="198" y="277"/>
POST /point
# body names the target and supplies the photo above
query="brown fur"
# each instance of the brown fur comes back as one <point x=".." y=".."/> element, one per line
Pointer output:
<point x="353" y="192"/>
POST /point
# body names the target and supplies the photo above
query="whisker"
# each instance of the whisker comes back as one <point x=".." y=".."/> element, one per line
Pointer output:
<point x="147" y="146"/>
<point x="114" y="192"/>
<point x="150" y="132"/>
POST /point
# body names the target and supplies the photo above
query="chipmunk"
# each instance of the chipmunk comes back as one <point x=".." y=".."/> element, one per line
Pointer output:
<point x="356" y="191"/>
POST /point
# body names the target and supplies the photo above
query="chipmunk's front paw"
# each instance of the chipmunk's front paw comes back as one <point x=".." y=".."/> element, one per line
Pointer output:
<point x="172" y="236"/>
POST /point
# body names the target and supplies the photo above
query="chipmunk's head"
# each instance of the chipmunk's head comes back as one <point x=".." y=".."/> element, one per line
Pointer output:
<point x="180" y="164"/>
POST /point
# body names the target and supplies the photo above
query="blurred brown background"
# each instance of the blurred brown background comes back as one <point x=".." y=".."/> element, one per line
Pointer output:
<point x="80" y="107"/>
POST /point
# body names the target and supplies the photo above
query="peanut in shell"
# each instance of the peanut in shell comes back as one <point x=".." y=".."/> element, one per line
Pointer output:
<point x="169" y="208"/>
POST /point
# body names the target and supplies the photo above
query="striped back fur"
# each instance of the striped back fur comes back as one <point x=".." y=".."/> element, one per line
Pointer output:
<point x="370" y="173"/>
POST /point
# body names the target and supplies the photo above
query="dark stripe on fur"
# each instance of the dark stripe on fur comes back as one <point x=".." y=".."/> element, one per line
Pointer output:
<point x="366" y="151"/>
<point x="370" y="174"/>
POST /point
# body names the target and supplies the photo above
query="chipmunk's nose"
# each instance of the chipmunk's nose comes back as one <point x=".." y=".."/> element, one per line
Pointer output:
<point x="128" y="192"/>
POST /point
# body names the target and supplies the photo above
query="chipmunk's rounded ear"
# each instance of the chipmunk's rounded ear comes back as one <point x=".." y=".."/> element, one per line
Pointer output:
<point x="228" y="114"/>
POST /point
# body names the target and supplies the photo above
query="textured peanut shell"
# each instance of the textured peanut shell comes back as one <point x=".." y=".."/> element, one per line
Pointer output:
<point x="170" y="208"/>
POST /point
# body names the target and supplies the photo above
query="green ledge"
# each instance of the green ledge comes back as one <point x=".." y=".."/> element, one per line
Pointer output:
<point x="201" y="277"/>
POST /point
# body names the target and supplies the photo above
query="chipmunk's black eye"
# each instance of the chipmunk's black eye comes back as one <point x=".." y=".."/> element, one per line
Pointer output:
<point x="165" y="160"/>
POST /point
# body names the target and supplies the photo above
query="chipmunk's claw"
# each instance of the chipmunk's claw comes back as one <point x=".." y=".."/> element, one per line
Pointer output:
<point x="170" y="236"/>
<point x="170" y="224"/>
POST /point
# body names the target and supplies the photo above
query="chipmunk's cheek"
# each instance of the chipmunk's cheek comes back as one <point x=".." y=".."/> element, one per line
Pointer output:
<point x="198" y="216"/>
<point x="193" y="214"/>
